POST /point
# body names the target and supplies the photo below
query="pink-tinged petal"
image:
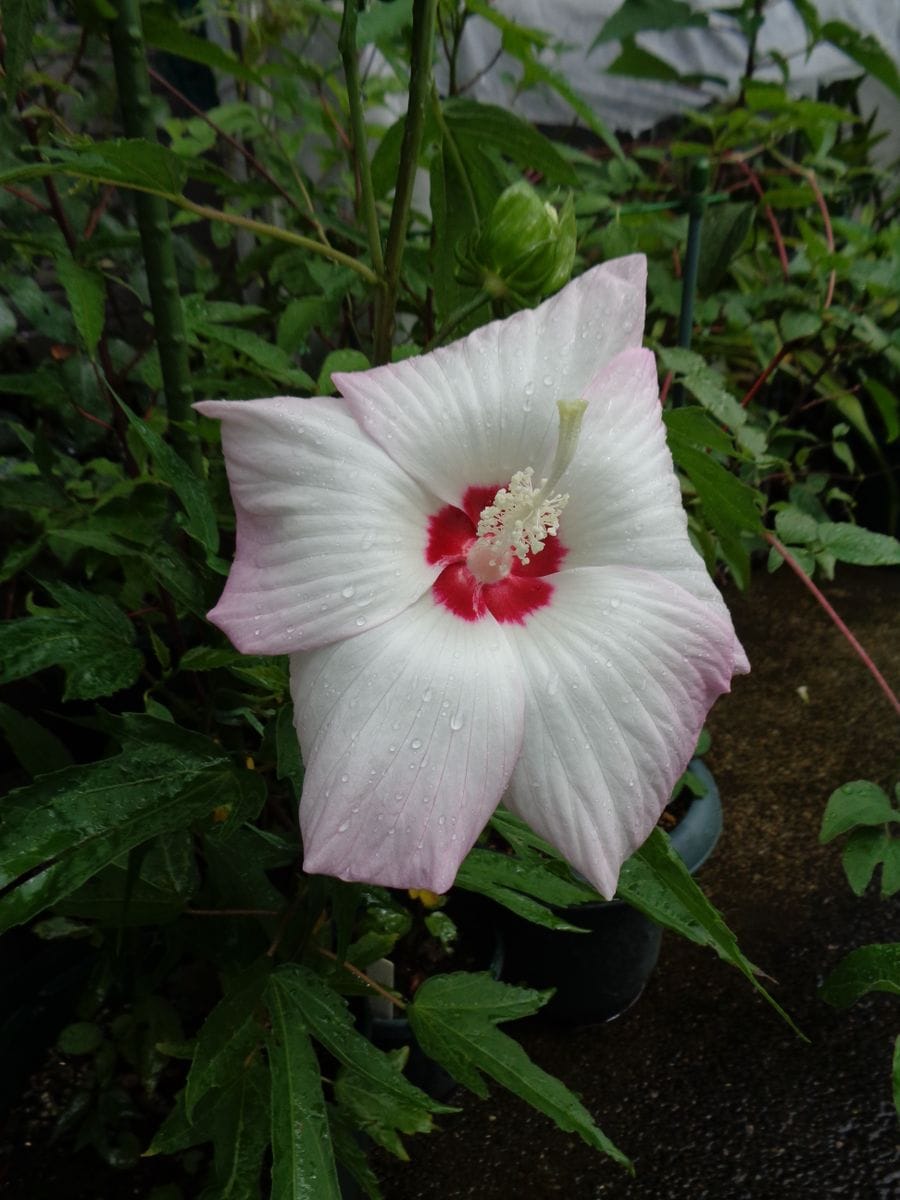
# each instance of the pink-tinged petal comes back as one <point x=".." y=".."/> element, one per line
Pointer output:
<point x="409" y="734"/>
<point x="625" y="504"/>
<point x="484" y="407"/>
<point x="621" y="670"/>
<point x="331" y="533"/>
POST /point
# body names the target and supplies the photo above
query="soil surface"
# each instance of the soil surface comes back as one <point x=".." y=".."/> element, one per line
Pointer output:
<point x="701" y="1083"/>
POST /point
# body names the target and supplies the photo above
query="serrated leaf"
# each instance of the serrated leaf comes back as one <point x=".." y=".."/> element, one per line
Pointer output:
<point x="303" y="1166"/>
<point x="793" y="526"/>
<point x="227" y="1036"/>
<point x="853" y="544"/>
<point x="239" y="1129"/>
<point x="857" y="803"/>
<point x="705" y="384"/>
<point x="455" y="1017"/>
<point x="327" y="1018"/>
<point x="797" y="323"/>
<point x="191" y="491"/>
<point x="510" y="134"/>
<point x="88" y="637"/>
<point x="873" y="968"/>
<point x="657" y="883"/>
<point x="271" y="359"/>
<point x="694" y="425"/>
<point x="86" y="293"/>
<point x="68" y="826"/>
<point x="526" y="888"/>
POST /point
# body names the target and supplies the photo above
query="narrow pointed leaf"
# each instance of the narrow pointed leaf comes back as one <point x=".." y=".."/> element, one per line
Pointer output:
<point x="303" y="1165"/>
<point x="455" y="1018"/>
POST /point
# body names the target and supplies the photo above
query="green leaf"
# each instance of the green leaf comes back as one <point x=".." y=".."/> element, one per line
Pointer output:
<point x="271" y="359"/>
<point x="857" y="803"/>
<point x="635" y="62"/>
<point x="895" y="1075"/>
<point x="327" y="1018"/>
<point x="511" y="135"/>
<point x="639" y="16"/>
<point x="853" y="544"/>
<point x="83" y="1037"/>
<point x="339" y="360"/>
<point x="228" y="1036"/>
<point x="86" y="293"/>
<point x="873" y="968"/>
<point x="20" y="19"/>
<point x="191" y="491"/>
<point x="239" y="1129"/>
<point x="865" y="849"/>
<point x="163" y="33"/>
<point x="705" y="384"/>
<point x="89" y="637"/>
<point x="383" y="1123"/>
<point x="656" y="882"/>
<point x="302" y="1156"/>
<point x="36" y="748"/>
<point x="692" y="425"/>
<point x="288" y="764"/>
<point x="455" y="1017"/>
<point x="68" y="826"/>
<point x="865" y="50"/>
<point x="793" y="526"/>
<point x="797" y="323"/>
<point x="505" y="879"/>
<point x="888" y="406"/>
<point x="724" y="229"/>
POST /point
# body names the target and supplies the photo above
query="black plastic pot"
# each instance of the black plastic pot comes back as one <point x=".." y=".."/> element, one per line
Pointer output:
<point x="599" y="974"/>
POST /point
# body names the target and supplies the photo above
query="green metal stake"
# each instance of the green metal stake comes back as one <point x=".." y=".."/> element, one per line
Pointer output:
<point x="133" y="82"/>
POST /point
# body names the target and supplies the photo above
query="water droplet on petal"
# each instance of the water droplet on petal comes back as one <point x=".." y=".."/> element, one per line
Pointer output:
<point x="416" y="744"/>
<point x="343" y="827"/>
<point x="457" y="721"/>
<point x="348" y="591"/>
<point x="360" y="621"/>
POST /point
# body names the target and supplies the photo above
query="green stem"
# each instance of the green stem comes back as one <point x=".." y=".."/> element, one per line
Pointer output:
<point x="350" y="57"/>
<point x="419" y="91"/>
<point x="133" y="82"/>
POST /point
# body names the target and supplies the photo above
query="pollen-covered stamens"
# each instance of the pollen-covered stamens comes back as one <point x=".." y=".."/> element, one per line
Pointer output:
<point x="522" y="517"/>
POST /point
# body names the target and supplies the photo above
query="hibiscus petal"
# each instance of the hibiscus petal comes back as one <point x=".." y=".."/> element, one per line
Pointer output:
<point x="484" y="407"/>
<point x="330" y="532"/>
<point x="624" y="500"/>
<point x="409" y="735"/>
<point x="621" y="670"/>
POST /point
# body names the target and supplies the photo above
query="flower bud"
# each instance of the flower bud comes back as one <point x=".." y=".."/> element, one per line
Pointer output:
<point x="527" y="248"/>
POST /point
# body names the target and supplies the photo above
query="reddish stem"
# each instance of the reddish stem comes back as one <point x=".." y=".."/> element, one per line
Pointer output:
<point x="844" y="629"/>
<point x="666" y="384"/>
<point x="753" y="180"/>
<point x="764" y="375"/>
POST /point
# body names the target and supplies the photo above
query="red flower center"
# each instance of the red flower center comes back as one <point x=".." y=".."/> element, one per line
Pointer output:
<point x="520" y="588"/>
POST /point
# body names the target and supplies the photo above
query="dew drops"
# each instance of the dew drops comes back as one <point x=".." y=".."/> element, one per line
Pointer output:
<point x="343" y="827"/>
<point x="345" y="779"/>
<point x="416" y="744"/>
<point x="348" y="591"/>
<point x="426" y="695"/>
<point x="529" y="388"/>
<point x="360" y="621"/>
<point x="548" y="381"/>
<point x="615" y="602"/>
<point x="553" y="684"/>
<point x="368" y="540"/>
<point x="457" y="721"/>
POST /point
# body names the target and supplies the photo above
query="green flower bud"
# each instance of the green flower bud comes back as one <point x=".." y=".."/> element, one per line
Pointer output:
<point x="527" y="248"/>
